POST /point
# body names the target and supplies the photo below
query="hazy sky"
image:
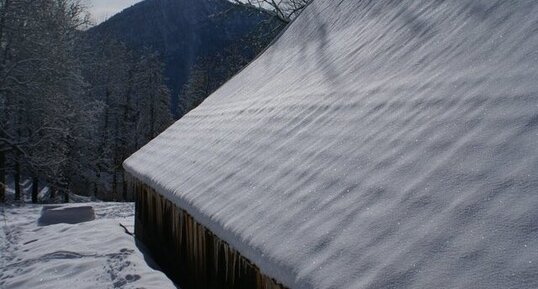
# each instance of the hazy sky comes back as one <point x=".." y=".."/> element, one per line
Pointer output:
<point x="103" y="9"/>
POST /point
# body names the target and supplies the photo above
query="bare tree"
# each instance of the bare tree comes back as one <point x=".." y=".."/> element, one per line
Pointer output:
<point x="285" y="10"/>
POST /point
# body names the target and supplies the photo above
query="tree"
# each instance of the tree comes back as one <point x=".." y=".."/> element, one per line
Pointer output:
<point x="39" y="81"/>
<point x="197" y="88"/>
<point x="153" y="96"/>
<point x="210" y="72"/>
<point x="135" y="107"/>
<point x="72" y="109"/>
<point x="285" y="10"/>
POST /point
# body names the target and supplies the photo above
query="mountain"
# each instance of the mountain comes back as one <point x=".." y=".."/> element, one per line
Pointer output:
<point x="185" y="31"/>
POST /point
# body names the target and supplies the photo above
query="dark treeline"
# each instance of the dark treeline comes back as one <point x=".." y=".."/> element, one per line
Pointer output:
<point x="192" y="34"/>
<point x="211" y="71"/>
<point x="72" y="109"/>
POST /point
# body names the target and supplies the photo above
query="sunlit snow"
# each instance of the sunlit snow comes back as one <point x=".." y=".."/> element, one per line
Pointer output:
<point x="90" y="254"/>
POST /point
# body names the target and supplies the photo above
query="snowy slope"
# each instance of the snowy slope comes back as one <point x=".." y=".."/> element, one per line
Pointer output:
<point x="377" y="144"/>
<point x="94" y="254"/>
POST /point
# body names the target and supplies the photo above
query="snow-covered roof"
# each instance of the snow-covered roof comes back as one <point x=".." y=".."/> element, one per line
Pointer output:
<point x="376" y="144"/>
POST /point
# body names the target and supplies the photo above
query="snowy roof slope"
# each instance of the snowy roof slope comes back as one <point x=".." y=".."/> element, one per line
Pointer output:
<point x="376" y="144"/>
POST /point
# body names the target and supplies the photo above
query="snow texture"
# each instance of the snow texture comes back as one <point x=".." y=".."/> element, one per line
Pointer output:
<point x="92" y="254"/>
<point x="376" y="144"/>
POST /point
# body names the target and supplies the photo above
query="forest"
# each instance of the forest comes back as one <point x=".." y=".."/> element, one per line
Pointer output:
<point x="72" y="108"/>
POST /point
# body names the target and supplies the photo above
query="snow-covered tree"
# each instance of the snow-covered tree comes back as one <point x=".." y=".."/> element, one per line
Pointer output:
<point x="39" y="82"/>
<point x="285" y="10"/>
<point x="135" y="108"/>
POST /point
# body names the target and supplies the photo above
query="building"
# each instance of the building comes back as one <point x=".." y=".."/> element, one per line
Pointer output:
<point x="376" y="144"/>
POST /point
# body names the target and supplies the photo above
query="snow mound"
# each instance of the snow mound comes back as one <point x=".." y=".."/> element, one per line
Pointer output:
<point x="91" y="254"/>
<point x="376" y="144"/>
<point x="51" y="215"/>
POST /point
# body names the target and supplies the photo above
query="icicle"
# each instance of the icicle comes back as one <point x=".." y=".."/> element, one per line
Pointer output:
<point x="187" y="246"/>
<point x="216" y="249"/>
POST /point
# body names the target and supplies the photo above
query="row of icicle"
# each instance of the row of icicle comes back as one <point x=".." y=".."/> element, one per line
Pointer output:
<point x="188" y="251"/>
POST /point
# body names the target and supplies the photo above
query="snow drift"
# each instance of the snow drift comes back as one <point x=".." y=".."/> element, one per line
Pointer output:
<point x="376" y="144"/>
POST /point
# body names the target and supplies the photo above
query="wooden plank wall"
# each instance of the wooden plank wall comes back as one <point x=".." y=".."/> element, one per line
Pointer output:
<point x="189" y="253"/>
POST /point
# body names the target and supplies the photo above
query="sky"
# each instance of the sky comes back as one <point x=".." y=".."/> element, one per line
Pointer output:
<point x="104" y="9"/>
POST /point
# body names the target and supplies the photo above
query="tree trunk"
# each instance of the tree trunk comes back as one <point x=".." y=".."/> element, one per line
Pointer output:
<point x="66" y="196"/>
<point x="35" y="189"/>
<point x="18" y="190"/>
<point x="2" y="177"/>
<point x="95" y="190"/>
<point x="96" y="183"/>
<point x="152" y="111"/>
<point x="115" y="183"/>
<point x="124" y="186"/>
<point x="52" y="192"/>
<point x="3" y="20"/>
<point x="116" y="160"/>
<point x="124" y="129"/>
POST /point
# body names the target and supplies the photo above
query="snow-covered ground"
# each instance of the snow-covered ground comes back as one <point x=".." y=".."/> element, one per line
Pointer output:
<point x="94" y="254"/>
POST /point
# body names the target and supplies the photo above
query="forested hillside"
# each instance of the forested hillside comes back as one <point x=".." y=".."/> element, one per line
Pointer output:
<point x="202" y="42"/>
